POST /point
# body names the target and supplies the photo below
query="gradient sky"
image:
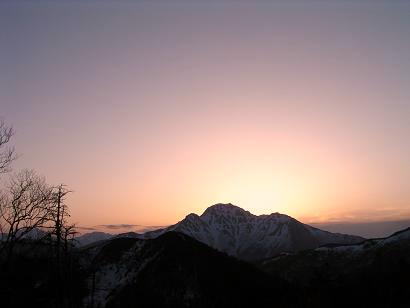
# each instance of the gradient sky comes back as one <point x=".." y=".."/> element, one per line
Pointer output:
<point x="152" y="110"/>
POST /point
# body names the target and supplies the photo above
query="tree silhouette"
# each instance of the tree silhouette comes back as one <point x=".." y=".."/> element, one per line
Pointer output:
<point x="61" y="230"/>
<point x="25" y="205"/>
<point x="7" y="154"/>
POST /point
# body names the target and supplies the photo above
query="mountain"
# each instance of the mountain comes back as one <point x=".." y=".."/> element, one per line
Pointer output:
<point x="34" y="234"/>
<point x="91" y="237"/>
<point x="360" y="254"/>
<point x="373" y="273"/>
<point x="239" y="233"/>
<point x="174" y="270"/>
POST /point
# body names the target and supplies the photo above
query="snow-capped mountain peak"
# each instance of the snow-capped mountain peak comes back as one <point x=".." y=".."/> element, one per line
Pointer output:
<point x="237" y="232"/>
<point x="225" y="209"/>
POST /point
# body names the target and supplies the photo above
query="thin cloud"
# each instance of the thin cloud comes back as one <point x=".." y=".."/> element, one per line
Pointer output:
<point x="128" y="227"/>
<point x="361" y="216"/>
<point x="119" y="226"/>
<point x="366" y="229"/>
<point x="150" y="228"/>
<point x="87" y="228"/>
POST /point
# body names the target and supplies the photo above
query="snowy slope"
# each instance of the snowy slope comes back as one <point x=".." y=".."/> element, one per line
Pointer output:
<point x="91" y="237"/>
<point x="172" y="270"/>
<point x="397" y="238"/>
<point x="239" y="233"/>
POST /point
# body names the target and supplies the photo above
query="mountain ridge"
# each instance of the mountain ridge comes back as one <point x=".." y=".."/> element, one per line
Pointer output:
<point x="239" y="233"/>
<point x="175" y="270"/>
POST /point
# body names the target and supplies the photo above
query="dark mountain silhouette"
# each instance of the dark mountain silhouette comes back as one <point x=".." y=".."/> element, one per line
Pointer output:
<point x="174" y="270"/>
<point x="373" y="273"/>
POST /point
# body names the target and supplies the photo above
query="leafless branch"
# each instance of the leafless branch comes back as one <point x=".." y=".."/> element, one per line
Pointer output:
<point x="7" y="154"/>
<point x="25" y="205"/>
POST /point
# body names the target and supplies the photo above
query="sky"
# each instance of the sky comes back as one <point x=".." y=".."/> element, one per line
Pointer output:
<point x="149" y="111"/>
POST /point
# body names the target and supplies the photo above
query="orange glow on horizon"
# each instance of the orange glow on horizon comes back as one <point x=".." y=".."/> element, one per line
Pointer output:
<point x="156" y="111"/>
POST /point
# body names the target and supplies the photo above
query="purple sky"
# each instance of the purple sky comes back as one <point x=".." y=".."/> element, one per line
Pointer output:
<point x="150" y="111"/>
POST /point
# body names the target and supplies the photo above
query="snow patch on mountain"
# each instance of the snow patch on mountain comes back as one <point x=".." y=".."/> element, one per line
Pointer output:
<point x="92" y="237"/>
<point x="366" y="245"/>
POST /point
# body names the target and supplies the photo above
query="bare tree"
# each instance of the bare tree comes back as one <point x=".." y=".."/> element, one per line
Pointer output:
<point x="59" y="215"/>
<point x="7" y="154"/>
<point x="61" y="232"/>
<point x="24" y="206"/>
